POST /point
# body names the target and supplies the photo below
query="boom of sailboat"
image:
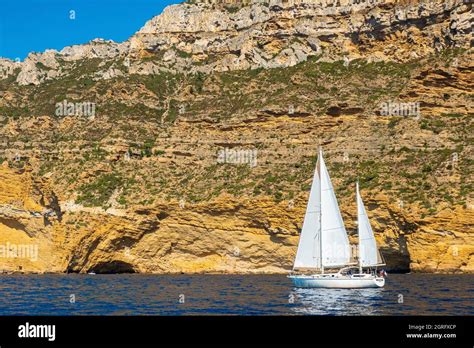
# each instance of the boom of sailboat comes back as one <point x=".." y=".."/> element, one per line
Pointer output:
<point x="324" y="258"/>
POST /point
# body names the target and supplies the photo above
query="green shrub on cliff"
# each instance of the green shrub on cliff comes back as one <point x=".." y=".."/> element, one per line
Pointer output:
<point x="98" y="192"/>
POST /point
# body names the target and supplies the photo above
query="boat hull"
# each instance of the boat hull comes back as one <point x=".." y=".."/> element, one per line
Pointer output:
<point x="337" y="282"/>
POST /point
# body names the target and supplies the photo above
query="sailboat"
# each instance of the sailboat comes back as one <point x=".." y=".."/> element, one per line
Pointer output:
<point x="324" y="258"/>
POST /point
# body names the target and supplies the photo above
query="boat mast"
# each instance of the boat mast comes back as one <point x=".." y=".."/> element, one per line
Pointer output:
<point x="358" y="224"/>
<point x="320" y="211"/>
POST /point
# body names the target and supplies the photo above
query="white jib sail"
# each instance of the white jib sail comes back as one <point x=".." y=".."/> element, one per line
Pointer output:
<point x="335" y="243"/>
<point x="368" y="253"/>
<point x="308" y="254"/>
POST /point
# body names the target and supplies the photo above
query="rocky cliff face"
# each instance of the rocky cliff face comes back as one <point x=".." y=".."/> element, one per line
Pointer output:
<point x="224" y="235"/>
<point x="29" y="211"/>
<point x="190" y="147"/>
<point x="208" y="37"/>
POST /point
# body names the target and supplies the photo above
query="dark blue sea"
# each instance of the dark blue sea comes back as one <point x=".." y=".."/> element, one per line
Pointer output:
<point x="135" y="294"/>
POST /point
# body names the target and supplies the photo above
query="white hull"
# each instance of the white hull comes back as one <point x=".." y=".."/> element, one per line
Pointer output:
<point x="337" y="281"/>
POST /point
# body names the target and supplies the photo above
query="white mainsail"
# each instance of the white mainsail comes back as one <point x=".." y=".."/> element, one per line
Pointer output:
<point x="323" y="241"/>
<point x="335" y="243"/>
<point x="308" y="254"/>
<point x="368" y="252"/>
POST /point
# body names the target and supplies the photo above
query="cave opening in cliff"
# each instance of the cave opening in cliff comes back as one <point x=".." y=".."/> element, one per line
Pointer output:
<point x="113" y="267"/>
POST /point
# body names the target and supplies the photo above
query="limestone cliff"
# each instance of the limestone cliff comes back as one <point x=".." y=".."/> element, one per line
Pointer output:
<point x="223" y="235"/>
<point x="197" y="152"/>
<point x="218" y="36"/>
<point x="28" y="213"/>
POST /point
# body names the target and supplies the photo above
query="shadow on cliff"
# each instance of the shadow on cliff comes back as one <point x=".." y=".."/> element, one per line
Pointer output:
<point x="398" y="261"/>
<point x="13" y="224"/>
<point x="396" y="253"/>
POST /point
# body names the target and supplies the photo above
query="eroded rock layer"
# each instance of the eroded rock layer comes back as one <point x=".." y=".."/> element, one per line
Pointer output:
<point x="190" y="147"/>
